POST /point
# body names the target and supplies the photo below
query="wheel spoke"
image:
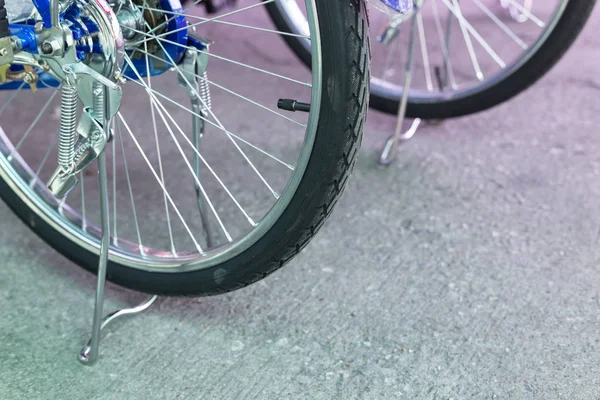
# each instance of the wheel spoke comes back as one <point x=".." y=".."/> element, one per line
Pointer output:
<point x="209" y="110"/>
<point x="232" y="92"/>
<point x="262" y="178"/>
<point x="468" y="27"/>
<point x="500" y="24"/>
<point x="158" y="106"/>
<point x="157" y="178"/>
<point x="53" y="144"/>
<point x="168" y="20"/>
<point x="83" y="208"/>
<point x="467" y="38"/>
<point x="114" y="176"/>
<point x="215" y="18"/>
<point x="160" y="165"/>
<point x="153" y="94"/>
<point x="130" y="189"/>
<point x="188" y="16"/>
<point x="35" y="122"/>
<point x="233" y="135"/>
<point x="447" y="62"/>
<point x="11" y="98"/>
<point x="424" y="52"/>
<point x="264" y="71"/>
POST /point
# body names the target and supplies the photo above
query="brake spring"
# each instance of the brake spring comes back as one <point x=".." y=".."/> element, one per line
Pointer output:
<point x="205" y="93"/>
<point x="68" y="121"/>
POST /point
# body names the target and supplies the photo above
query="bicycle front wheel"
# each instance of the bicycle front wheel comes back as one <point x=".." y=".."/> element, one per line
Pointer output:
<point x="203" y="214"/>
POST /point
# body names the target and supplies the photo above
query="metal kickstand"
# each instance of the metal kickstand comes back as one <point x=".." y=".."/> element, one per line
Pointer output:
<point x="390" y="150"/>
<point x="89" y="353"/>
<point x="193" y="77"/>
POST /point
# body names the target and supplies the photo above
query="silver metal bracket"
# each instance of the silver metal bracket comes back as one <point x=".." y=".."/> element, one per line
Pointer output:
<point x="6" y="51"/>
<point x="6" y="57"/>
<point x="92" y="135"/>
<point x="85" y="76"/>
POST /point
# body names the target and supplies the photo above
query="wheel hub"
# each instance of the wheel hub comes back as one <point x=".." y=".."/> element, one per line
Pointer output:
<point x="90" y="33"/>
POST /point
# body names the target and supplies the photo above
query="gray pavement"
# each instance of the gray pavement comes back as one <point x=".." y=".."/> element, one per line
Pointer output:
<point x="468" y="269"/>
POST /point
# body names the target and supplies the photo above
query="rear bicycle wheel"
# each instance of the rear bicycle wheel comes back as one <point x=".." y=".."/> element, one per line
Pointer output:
<point x="267" y="193"/>
<point x="471" y="55"/>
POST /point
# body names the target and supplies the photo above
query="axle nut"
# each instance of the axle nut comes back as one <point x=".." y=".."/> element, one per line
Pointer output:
<point x="47" y="49"/>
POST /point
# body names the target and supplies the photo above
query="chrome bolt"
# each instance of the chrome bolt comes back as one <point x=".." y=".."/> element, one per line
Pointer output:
<point x="52" y="46"/>
<point x="47" y="48"/>
<point x="3" y="52"/>
<point x="39" y="27"/>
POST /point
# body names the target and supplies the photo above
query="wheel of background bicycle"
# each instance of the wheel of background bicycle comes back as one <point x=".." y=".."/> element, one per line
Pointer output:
<point x="326" y="156"/>
<point x="544" y="49"/>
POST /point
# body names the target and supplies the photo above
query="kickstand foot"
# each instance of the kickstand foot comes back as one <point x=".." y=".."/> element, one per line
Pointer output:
<point x="390" y="150"/>
<point x="89" y="357"/>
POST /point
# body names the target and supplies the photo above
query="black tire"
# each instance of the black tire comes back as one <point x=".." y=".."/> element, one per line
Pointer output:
<point x="496" y="92"/>
<point x="346" y="58"/>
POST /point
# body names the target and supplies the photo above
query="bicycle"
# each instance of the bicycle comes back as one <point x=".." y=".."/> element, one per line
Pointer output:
<point x="475" y="56"/>
<point x="233" y="209"/>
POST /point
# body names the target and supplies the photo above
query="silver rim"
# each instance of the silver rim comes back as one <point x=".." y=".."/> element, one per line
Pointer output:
<point x="488" y="40"/>
<point x="178" y="247"/>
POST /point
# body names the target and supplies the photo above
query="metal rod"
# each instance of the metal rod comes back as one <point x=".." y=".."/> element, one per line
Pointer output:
<point x="198" y="129"/>
<point x="390" y="149"/>
<point x="55" y="13"/>
<point x="89" y="354"/>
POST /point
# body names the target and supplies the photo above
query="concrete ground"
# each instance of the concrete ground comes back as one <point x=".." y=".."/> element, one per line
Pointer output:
<point x="468" y="269"/>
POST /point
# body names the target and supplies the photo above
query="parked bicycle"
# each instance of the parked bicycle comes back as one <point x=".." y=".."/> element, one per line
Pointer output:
<point x="137" y="49"/>
<point x="200" y="204"/>
<point x="470" y="55"/>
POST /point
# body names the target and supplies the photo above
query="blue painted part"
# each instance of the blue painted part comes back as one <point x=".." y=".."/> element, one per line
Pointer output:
<point x="176" y="25"/>
<point x="43" y="7"/>
<point x="196" y="43"/>
<point x="27" y="36"/>
<point x="175" y="47"/>
<point x="90" y="25"/>
<point x="401" y="6"/>
<point x="97" y="48"/>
